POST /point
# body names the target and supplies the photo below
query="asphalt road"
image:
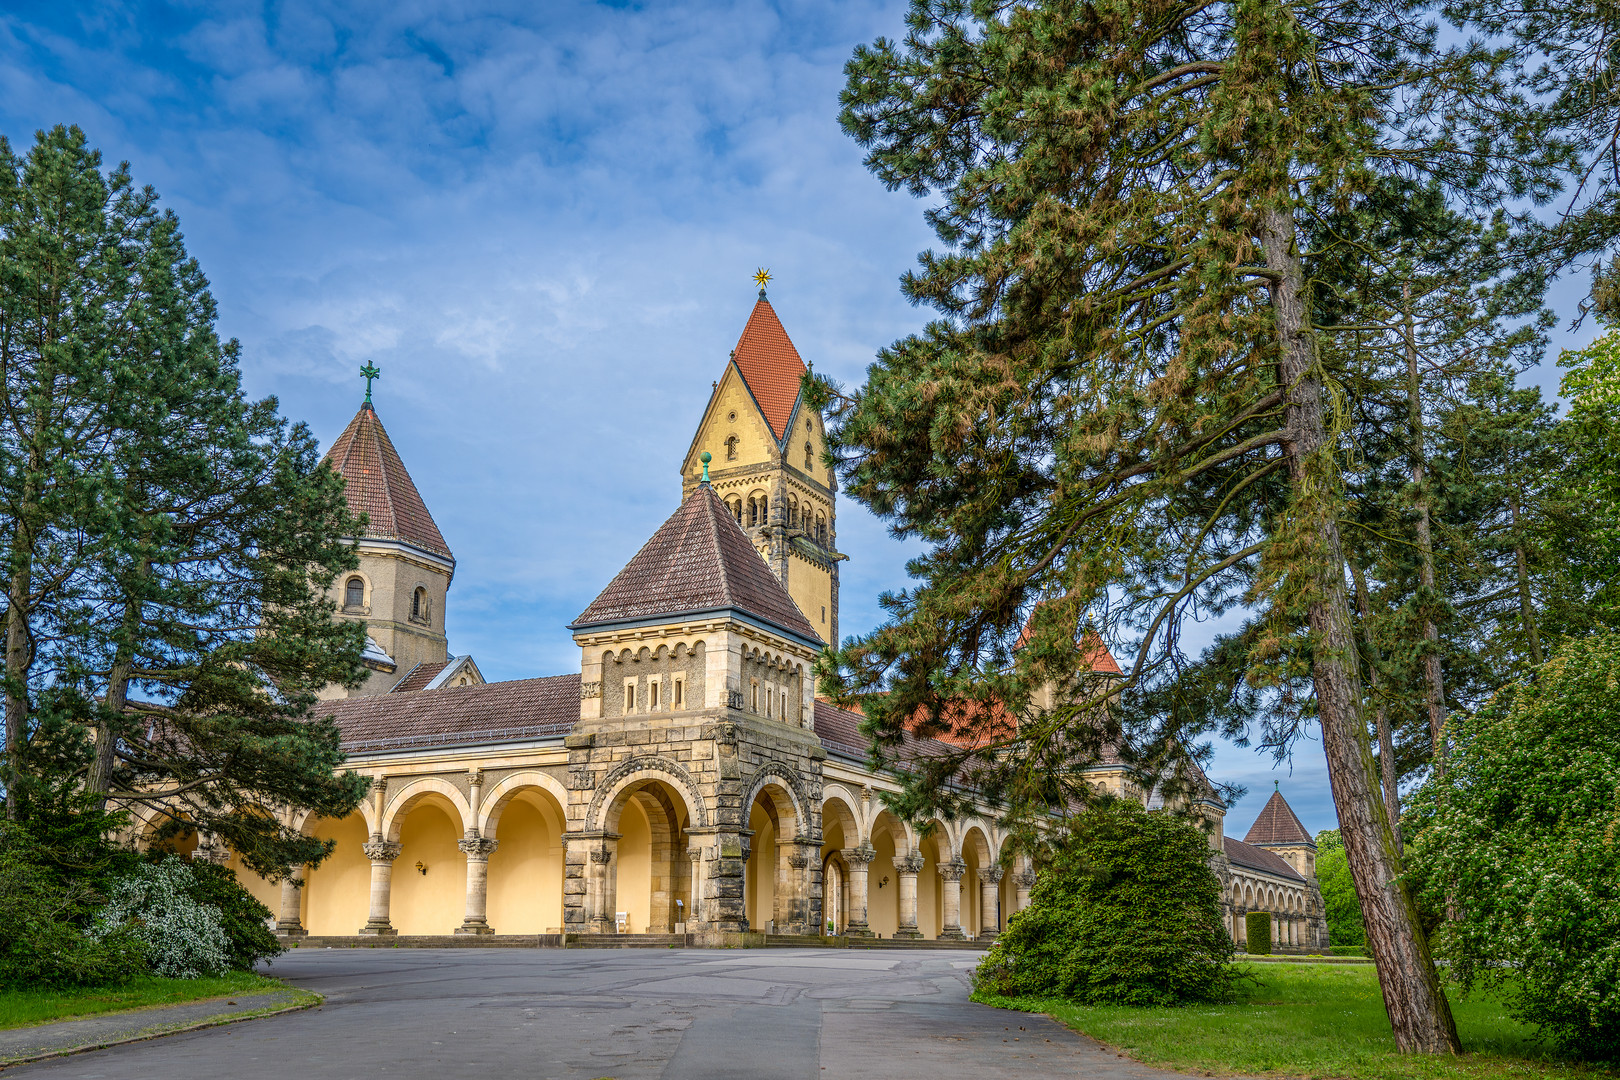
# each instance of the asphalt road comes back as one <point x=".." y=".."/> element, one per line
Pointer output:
<point x="625" y="1014"/>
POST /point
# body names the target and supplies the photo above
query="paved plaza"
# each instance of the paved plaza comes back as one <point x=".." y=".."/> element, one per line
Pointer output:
<point x="629" y="1014"/>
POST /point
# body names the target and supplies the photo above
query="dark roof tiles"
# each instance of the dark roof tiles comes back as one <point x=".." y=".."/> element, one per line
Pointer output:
<point x="698" y="560"/>
<point x="1255" y="858"/>
<point x="1277" y="824"/>
<point x="491" y="712"/>
<point x="378" y="486"/>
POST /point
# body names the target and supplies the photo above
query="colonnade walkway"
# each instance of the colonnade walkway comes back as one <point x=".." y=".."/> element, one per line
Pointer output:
<point x="632" y="1014"/>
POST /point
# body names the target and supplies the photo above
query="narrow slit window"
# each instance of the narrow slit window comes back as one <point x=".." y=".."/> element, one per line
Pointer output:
<point x="652" y="694"/>
<point x="680" y="694"/>
<point x="629" y="697"/>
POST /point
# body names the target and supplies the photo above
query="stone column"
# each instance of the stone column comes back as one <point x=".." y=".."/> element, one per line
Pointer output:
<point x="211" y="848"/>
<point x="694" y="913"/>
<point x="908" y="867"/>
<point x="601" y="892"/>
<point x="1025" y="880"/>
<point x="989" y="903"/>
<point x="950" y="886"/>
<point x="858" y="859"/>
<point x="382" y="854"/>
<point x="290" y="922"/>
<point x="478" y="850"/>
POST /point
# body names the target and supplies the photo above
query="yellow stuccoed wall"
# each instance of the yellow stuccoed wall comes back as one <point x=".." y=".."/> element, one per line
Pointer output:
<point x="526" y="871"/>
<point x="337" y="893"/>
<point x="434" y="902"/>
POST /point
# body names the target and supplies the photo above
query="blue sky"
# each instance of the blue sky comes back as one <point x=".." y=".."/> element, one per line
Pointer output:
<point x="540" y="221"/>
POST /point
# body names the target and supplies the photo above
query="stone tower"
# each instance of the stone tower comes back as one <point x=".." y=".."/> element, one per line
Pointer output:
<point x="1279" y="831"/>
<point x="766" y="444"/>
<point x="405" y="568"/>
<point x="696" y="698"/>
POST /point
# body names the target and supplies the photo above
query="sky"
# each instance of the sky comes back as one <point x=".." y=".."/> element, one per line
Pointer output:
<point x="540" y="221"/>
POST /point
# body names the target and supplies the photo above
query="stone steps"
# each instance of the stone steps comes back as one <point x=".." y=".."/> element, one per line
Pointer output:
<point x="619" y="941"/>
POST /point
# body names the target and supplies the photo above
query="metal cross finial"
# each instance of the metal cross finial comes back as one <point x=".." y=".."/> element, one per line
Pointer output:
<point x="762" y="277"/>
<point x="369" y="372"/>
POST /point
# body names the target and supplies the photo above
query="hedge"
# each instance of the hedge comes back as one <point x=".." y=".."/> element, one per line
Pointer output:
<point x="1257" y="928"/>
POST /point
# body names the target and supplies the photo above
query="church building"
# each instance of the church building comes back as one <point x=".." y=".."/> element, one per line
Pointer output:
<point x="685" y="780"/>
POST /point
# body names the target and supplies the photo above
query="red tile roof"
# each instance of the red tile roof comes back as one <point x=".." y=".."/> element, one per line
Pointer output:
<point x="1277" y="824"/>
<point x="379" y="486"/>
<point x="491" y="712"/>
<point x="840" y="731"/>
<point x="1242" y="854"/>
<point x="770" y="365"/>
<point x="698" y="560"/>
<point x="1091" y="644"/>
<point x="418" y="677"/>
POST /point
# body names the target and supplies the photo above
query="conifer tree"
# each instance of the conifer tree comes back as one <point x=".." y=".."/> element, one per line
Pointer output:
<point x="1125" y="414"/>
<point x="168" y="611"/>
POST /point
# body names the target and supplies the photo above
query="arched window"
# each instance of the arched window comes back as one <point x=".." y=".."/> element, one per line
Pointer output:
<point x="807" y="463"/>
<point x="753" y="511"/>
<point x="735" y="506"/>
<point x="354" y="593"/>
<point x="793" y="512"/>
<point x="419" y="604"/>
<point x="731" y="448"/>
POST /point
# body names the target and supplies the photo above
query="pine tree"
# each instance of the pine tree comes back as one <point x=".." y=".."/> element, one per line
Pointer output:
<point x="188" y="545"/>
<point x="1125" y="414"/>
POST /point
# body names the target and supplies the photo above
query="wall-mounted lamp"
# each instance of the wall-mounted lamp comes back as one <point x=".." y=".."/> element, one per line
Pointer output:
<point x="884" y="882"/>
<point x="420" y="869"/>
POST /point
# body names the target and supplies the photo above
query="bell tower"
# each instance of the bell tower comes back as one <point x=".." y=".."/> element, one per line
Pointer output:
<point x="400" y="587"/>
<point x="766" y="443"/>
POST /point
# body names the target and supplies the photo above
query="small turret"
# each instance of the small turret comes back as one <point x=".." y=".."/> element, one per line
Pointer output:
<point x="400" y="587"/>
<point x="1278" y="829"/>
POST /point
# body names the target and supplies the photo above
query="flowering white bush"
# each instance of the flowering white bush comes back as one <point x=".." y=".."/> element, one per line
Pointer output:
<point x="185" y="938"/>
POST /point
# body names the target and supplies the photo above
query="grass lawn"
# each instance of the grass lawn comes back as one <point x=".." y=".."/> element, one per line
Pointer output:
<point x="19" y="1008"/>
<point x="1312" y="1020"/>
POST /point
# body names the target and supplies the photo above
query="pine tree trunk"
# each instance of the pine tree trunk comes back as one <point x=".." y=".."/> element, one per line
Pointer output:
<point x="1386" y="739"/>
<point x="1418" y="1012"/>
<point x="17" y="650"/>
<point x="1434" y="689"/>
<point x="1527" y="610"/>
<point x="99" y="782"/>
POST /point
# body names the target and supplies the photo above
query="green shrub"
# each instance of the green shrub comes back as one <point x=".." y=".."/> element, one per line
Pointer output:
<point x="1338" y="891"/>
<point x="1128" y="912"/>
<point x="1521" y="838"/>
<point x="1347" y="950"/>
<point x="241" y="915"/>
<point x="1257" y="932"/>
<point x="43" y="918"/>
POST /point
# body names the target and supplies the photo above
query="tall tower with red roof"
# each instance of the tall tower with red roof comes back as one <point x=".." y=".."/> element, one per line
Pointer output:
<point x="766" y="444"/>
<point x="400" y="588"/>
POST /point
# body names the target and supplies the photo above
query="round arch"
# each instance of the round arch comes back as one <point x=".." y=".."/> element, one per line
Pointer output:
<point x="634" y="771"/>
<point x="498" y="796"/>
<point x="778" y="776"/>
<point x="401" y="803"/>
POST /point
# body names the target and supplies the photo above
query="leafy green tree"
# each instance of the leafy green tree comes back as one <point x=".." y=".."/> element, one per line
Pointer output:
<point x="169" y="542"/>
<point x="1591" y="478"/>
<point x="1519" y="842"/>
<point x="1125" y="414"/>
<point x="1338" y="891"/>
<point x="1126" y="912"/>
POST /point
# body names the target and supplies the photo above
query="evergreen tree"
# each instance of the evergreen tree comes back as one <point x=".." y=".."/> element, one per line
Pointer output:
<point x="171" y="543"/>
<point x="1125" y="415"/>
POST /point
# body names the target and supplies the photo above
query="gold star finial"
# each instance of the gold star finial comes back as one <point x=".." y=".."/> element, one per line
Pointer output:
<point x="762" y="277"/>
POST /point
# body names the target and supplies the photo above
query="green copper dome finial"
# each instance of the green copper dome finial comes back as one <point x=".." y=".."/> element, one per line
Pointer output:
<point x="705" y="457"/>
<point x="369" y="372"/>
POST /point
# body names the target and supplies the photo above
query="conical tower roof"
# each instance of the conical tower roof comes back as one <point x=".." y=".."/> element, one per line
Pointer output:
<point x="1277" y="825"/>
<point x="699" y="560"/>
<point x="379" y="487"/>
<point x="770" y="365"/>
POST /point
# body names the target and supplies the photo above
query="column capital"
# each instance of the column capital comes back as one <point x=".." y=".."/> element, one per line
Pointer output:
<point x="478" y="847"/>
<point x="798" y="858"/>
<point x="1026" y="878"/>
<point x="859" y="856"/>
<point x="381" y="850"/>
<point x="953" y="870"/>
<point x="992" y="874"/>
<point x="601" y="855"/>
<point x="910" y="863"/>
